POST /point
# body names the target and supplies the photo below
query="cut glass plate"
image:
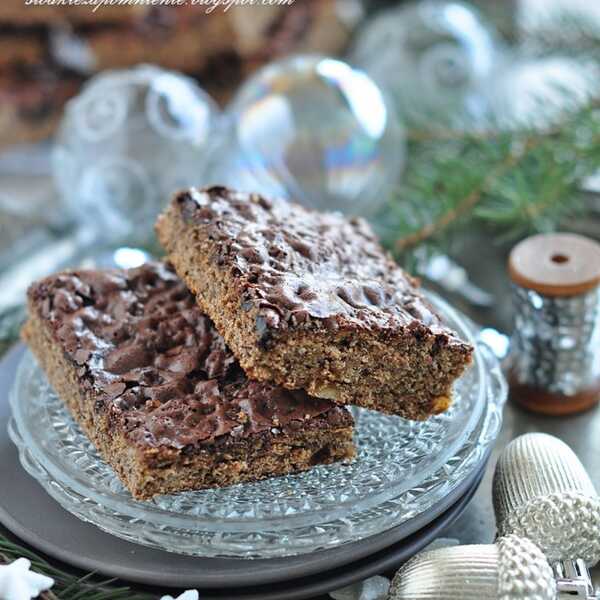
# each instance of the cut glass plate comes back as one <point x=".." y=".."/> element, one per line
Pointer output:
<point x="402" y="470"/>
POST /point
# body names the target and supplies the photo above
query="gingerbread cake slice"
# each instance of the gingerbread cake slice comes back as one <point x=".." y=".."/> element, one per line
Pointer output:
<point x="311" y="300"/>
<point x="153" y="385"/>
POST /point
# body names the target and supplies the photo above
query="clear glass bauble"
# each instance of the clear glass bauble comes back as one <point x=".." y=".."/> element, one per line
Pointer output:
<point x="545" y="24"/>
<point x="433" y="56"/>
<point x="126" y="143"/>
<point x="538" y="92"/>
<point x="315" y="130"/>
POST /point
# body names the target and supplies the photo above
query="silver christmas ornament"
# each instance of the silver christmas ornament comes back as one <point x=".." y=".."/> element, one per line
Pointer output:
<point x="434" y="56"/>
<point x="512" y="569"/>
<point x="542" y="492"/>
<point x="573" y="581"/>
<point x="126" y="142"/>
<point x="373" y="588"/>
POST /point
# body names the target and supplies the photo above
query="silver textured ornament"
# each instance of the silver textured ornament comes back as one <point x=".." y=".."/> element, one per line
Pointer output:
<point x="555" y="350"/>
<point x="573" y="581"/>
<point x="512" y="569"/>
<point x="542" y="492"/>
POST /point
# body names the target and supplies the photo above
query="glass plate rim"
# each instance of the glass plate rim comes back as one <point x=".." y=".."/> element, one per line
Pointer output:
<point x="141" y="510"/>
<point x="480" y="434"/>
<point x="481" y="447"/>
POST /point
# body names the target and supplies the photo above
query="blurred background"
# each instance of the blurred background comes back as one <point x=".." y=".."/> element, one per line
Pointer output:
<point x="456" y="128"/>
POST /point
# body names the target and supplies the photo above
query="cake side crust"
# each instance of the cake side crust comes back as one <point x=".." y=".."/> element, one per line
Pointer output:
<point x="63" y="377"/>
<point x="138" y="470"/>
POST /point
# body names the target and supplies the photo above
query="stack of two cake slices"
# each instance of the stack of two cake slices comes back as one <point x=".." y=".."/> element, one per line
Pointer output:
<point x="233" y="361"/>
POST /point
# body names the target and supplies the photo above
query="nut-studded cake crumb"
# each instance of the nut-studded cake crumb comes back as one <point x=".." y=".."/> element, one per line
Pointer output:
<point x="310" y="300"/>
<point x="156" y="389"/>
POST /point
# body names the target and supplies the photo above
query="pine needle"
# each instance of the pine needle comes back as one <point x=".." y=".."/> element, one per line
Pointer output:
<point x="68" y="586"/>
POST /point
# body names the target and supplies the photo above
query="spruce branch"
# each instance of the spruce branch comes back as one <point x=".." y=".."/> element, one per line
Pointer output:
<point x="513" y="181"/>
<point x="464" y="205"/>
<point x="68" y="586"/>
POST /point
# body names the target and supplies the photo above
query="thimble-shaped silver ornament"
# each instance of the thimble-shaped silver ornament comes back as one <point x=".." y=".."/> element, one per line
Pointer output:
<point x="542" y="492"/>
<point x="555" y="347"/>
<point x="511" y="569"/>
<point x="573" y="581"/>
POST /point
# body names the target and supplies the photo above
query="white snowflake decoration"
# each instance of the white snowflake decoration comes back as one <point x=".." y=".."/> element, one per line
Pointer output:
<point x="17" y="582"/>
<point x="187" y="595"/>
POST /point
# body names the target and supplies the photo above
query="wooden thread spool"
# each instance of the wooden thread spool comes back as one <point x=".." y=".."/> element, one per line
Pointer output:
<point x="555" y="349"/>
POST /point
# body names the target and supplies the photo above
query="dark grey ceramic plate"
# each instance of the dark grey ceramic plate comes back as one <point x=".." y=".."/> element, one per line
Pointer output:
<point x="27" y="511"/>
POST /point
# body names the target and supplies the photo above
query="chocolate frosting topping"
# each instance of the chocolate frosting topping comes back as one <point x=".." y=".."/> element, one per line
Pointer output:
<point x="157" y="364"/>
<point x="301" y="268"/>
